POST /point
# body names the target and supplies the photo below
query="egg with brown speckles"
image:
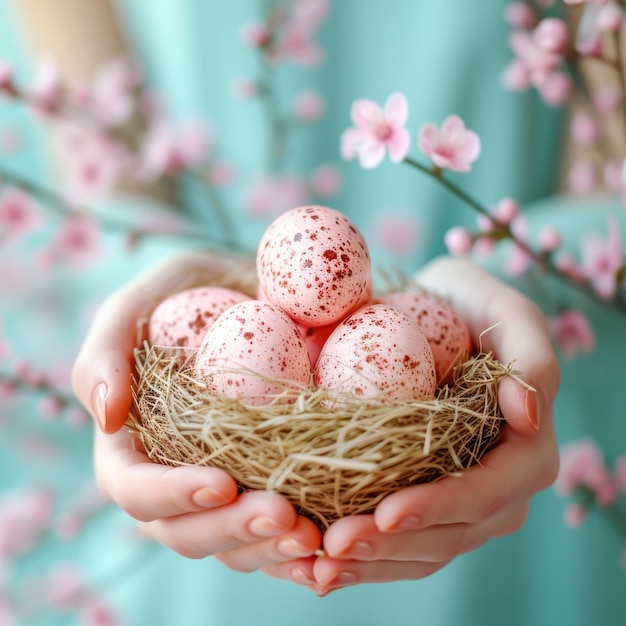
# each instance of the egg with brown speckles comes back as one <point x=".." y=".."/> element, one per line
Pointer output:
<point x="183" y="319"/>
<point x="314" y="264"/>
<point x="447" y="333"/>
<point x="377" y="351"/>
<point x="253" y="352"/>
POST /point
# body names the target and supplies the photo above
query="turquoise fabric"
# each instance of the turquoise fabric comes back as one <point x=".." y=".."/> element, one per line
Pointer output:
<point x="446" y="56"/>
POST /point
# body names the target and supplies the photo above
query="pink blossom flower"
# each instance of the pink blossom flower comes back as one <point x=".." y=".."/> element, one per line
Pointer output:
<point x="582" y="465"/>
<point x="396" y="233"/>
<point x="574" y="514"/>
<point x="518" y="261"/>
<point x="295" y="44"/>
<point x="506" y="210"/>
<point x="584" y="129"/>
<point x="582" y="177"/>
<point x="567" y="264"/>
<point x="112" y="96"/>
<point x="168" y="148"/>
<point x="272" y="195"/>
<point x="308" y="106"/>
<point x="572" y="333"/>
<point x="602" y="259"/>
<point x="520" y="15"/>
<point x="459" y="241"/>
<point x="325" y="181"/>
<point x="610" y="17"/>
<point x="606" y="99"/>
<point x="552" y="35"/>
<point x="453" y="147"/>
<point x="549" y="239"/>
<point x="46" y="92"/>
<point x="64" y="586"/>
<point x="24" y="516"/>
<point x="540" y="63"/>
<point x="556" y="89"/>
<point x="18" y="216"/>
<point x="77" y="242"/>
<point x="377" y="130"/>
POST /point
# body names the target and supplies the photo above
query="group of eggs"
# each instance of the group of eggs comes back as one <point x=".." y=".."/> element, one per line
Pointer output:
<point x="315" y="321"/>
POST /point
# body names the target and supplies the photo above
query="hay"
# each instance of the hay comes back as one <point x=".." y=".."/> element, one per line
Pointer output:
<point x="329" y="463"/>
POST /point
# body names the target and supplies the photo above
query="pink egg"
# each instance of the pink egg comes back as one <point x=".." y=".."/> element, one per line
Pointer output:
<point x="184" y="318"/>
<point x="253" y="352"/>
<point x="447" y="334"/>
<point x="314" y="264"/>
<point x="377" y="351"/>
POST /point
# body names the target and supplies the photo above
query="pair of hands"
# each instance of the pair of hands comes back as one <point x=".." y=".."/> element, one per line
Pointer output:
<point x="197" y="512"/>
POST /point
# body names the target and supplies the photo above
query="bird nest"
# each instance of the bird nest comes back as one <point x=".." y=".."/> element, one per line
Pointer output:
<point x="331" y="457"/>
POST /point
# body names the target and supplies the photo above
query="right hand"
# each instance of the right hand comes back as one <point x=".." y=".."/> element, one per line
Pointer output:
<point x="196" y="511"/>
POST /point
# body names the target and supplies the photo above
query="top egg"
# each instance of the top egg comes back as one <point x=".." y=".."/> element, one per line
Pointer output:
<point x="313" y="263"/>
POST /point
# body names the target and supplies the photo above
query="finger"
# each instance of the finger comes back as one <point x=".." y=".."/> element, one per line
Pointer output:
<point x="253" y="517"/>
<point x="509" y="325"/>
<point x="332" y="574"/>
<point x="302" y="541"/>
<point x="149" y="491"/>
<point x="101" y="376"/>
<point x="299" y="571"/>
<point x="358" y="538"/>
<point x="516" y="468"/>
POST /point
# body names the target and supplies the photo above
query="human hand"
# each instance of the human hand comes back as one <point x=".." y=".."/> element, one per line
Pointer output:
<point x="195" y="511"/>
<point x="420" y="529"/>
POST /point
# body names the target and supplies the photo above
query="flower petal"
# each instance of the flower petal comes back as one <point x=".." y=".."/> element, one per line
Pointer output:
<point x="399" y="144"/>
<point x="396" y="109"/>
<point x="428" y="139"/>
<point x="366" y="114"/>
<point x="371" y="155"/>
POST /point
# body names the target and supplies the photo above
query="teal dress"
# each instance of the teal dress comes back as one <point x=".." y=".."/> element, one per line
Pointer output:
<point x="446" y="57"/>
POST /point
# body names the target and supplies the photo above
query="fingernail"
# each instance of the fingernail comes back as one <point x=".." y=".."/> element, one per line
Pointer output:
<point x="206" y="497"/>
<point x="359" y="550"/>
<point x="99" y="404"/>
<point x="412" y="522"/>
<point x="342" y="579"/>
<point x="298" y="575"/>
<point x="265" y="527"/>
<point x="532" y="408"/>
<point x="292" y="548"/>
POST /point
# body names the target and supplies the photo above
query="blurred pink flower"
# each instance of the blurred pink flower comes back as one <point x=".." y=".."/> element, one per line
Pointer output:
<point x="244" y="88"/>
<point x="572" y="333"/>
<point x="46" y="91"/>
<point x="584" y="129"/>
<point x="556" y="89"/>
<point x="582" y="465"/>
<point x="5" y="350"/>
<point x="396" y="233"/>
<point x="112" y="96"/>
<point x="582" y="177"/>
<point x="377" y="130"/>
<point x="566" y="263"/>
<point x="169" y="148"/>
<point x="549" y="239"/>
<point x="255" y="34"/>
<point x="18" y="216"/>
<point x="453" y="147"/>
<point x="602" y="259"/>
<point x="64" y="586"/>
<point x="552" y="35"/>
<point x="295" y="44"/>
<point x="610" y="17"/>
<point x="272" y="195"/>
<point x="606" y="99"/>
<point x="221" y="174"/>
<point x="97" y="612"/>
<point x="459" y="241"/>
<point x="325" y="181"/>
<point x="518" y="261"/>
<point x="574" y="515"/>
<point x="308" y="106"/>
<point x="24" y="516"/>
<point x="520" y="15"/>
<point x="77" y="242"/>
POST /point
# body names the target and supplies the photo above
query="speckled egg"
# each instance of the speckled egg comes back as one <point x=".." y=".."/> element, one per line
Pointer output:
<point x="447" y="334"/>
<point x="184" y="318"/>
<point x="377" y="351"/>
<point x="314" y="264"/>
<point x="253" y="352"/>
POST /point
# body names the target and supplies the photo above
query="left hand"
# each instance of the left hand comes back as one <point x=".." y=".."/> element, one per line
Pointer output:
<point x="418" y="530"/>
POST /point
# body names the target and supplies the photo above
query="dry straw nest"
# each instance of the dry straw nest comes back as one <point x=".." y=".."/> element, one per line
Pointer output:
<point x="329" y="462"/>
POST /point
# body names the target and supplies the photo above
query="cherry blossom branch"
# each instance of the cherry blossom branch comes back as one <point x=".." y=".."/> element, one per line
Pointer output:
<point x="503" y="231"/>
